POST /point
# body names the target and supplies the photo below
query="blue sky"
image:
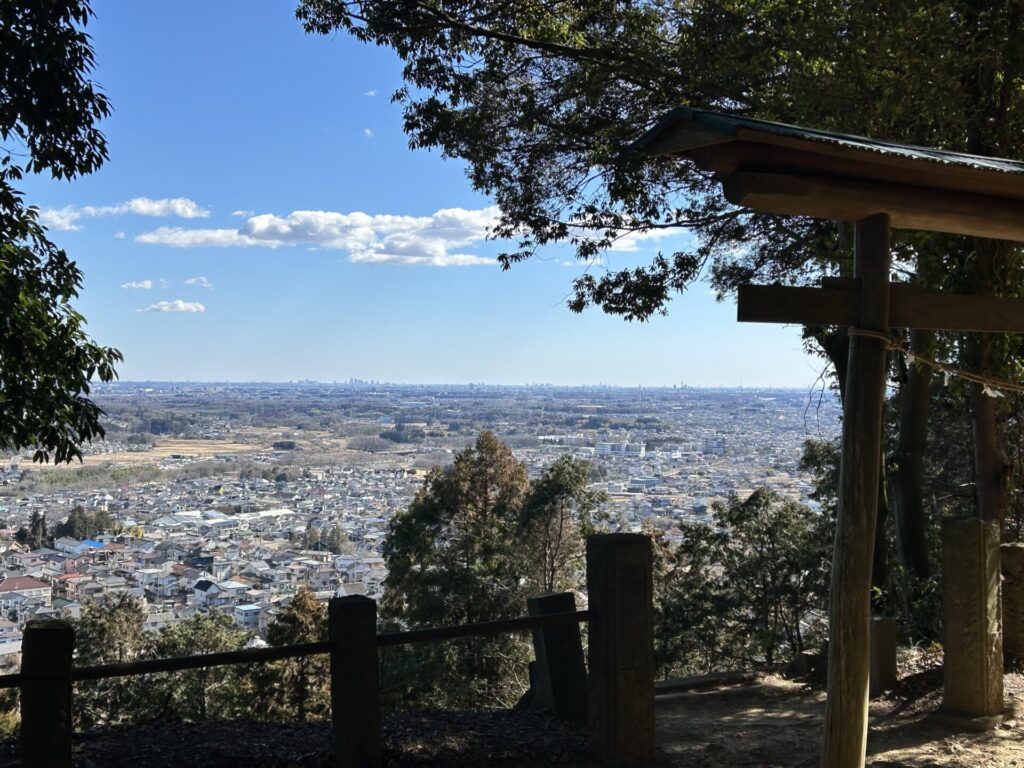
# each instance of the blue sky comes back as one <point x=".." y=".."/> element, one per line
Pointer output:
<point x="261" y="217"/>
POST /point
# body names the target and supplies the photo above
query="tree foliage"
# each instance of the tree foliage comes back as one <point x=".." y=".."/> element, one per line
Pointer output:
<point x="50" y="109"/>
<point x="749" y="591"/>
<point x="477" y="539"/>
<point x="216" y="693"/>
<point x="543" y="101"/>
<point x="448" y="555"/>
<point x="115" y="632"/>
<point x="84" y="525"/>
<point x="558" y="514"/>
<point x="34" y="535"/>
<point x="297" y="689"/>
<point x="451" y="560"/>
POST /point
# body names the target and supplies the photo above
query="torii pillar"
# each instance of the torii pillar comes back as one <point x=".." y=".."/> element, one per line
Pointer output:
<point x="846" y="714"/>
<point x="793" y="171"/>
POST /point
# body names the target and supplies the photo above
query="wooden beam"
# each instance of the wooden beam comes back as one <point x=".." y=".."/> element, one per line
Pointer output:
<point x="978" y="178"/>
<point x="678" y="132"/>
<point x="821" y="159"/>
<point x="911" y="307"/>
<point x="846" y="710"/>
<point x="797" y="304"/>
<point x="908" y="207"/>
<point x="683" y="141"/>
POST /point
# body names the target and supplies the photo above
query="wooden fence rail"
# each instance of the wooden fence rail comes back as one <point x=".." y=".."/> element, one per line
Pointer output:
<point x="277" y="653"/>
<point x="620" y="683"/>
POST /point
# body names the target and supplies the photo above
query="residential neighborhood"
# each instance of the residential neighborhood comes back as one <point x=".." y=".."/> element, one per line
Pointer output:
<point x="239" y="532"/>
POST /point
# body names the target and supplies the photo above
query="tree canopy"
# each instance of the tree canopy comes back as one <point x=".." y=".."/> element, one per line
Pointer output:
<point x="476" y="541"/>
<point x="49" y="111"/>
<point x="748" y="592"/>
<point x="542" y="101"/>
<point x="297" y="688"/>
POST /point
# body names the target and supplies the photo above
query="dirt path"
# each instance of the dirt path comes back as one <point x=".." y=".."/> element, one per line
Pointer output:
<point x="779" y="723"/>
<point x="772" y="723"/>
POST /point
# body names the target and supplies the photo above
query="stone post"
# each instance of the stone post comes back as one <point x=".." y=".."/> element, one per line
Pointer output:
<point x="621" y="651"/>
<point x="561" y="675"/>
<point x="883" y="655"/>
<point x="1013" y="599"/>
<point x="46" y="652"/>
<point x="355" y="685"/>
<point x="973" y="647"/>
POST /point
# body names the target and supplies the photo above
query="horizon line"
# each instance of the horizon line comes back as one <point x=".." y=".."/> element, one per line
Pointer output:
<point x="376" y="383"/>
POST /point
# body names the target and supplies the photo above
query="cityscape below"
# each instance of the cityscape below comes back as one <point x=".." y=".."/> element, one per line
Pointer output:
<point x="228" y="497"/>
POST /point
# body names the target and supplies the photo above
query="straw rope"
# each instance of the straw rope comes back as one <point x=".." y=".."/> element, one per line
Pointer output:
<point x="991" y="386"/>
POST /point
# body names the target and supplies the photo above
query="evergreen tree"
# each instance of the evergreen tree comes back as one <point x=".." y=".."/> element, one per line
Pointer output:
<point x="76" y="525"/>
<point x="474" y="543"/>
<point x="558" y="515"/>
<point x="452" y="556"/>
<point x="214" y="693"/>
<point x="81" y="524"/>
<point x="37" y="536"/>
<point x="112" y="633"/>
<point x="297" y="689"/>
<point x="749" y="591"/>
<point x="775" y="557"/>
<point x="338" y="542"/>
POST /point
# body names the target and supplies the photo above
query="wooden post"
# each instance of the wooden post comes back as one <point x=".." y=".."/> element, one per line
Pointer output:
<point x="561" y="675"/>
<point x="846" y="712"/>
<point x="46" y="652"/>
<point x="355" y="685"/>
<point x="621" y="651"/>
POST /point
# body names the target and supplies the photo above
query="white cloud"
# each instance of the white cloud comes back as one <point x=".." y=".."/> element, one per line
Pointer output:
<point x="177" y="237"/>
<point x="437" y="240"/>
<point x="370" y="93"/>
<point x="200" y="281"/>
<point x="119" y="235"/>
<point x="367" y="133"/>
<point x="62" y="219"/>
<point x="181" y="207"/>
<point x="438" y="260"/>
<point x="138" y="285"/>
<point x="66" y="218"/>
<point x="243" y="214"/>
<point x="175" y="306"/>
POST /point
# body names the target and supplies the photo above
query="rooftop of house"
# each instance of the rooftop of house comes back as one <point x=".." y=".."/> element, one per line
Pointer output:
<point x="21" y="584"/>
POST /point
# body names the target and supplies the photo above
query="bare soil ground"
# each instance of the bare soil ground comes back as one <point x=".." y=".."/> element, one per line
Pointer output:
<point x="162" y="449"/>
<point x="779" y="723"/>
<point x="775" y="722"/>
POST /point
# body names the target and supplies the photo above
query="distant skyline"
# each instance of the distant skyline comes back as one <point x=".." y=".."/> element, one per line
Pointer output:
<point x="261" y="218"/>
<point x="459" y="384"/>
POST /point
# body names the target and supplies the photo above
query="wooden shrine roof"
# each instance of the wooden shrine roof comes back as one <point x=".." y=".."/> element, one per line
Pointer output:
<point x="786" y="169"/>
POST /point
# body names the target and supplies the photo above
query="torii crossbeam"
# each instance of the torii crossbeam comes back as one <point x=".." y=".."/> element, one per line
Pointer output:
<point x="782" y="169"/>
